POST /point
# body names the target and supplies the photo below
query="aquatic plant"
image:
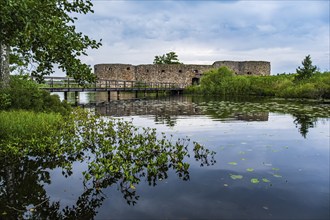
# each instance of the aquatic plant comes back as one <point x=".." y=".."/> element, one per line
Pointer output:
<point x="116" y="152"/>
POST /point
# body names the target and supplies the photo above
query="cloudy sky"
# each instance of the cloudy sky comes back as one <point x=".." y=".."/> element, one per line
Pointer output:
<point x="201" y="32"/>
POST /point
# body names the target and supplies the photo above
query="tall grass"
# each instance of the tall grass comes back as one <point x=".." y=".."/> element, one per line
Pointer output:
<point x="22" y="130"/>
<point x="223" y="82"/>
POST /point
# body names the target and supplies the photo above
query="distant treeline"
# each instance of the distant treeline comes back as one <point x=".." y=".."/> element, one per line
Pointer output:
<point x="224" y="82"/>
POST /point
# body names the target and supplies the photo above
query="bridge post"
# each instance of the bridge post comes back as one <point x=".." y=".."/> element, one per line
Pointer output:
<point x="66" y="96"/>
<point x="109" y="96"/>
<point x="76" y="97"/>
<point x="118" y="95"/>
<point x="136" y="94"/>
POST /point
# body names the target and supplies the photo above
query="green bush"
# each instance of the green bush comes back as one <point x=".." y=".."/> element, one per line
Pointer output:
<point x="24" y="93"/>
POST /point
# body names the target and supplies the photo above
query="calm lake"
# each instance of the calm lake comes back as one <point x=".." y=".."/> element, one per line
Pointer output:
<point x="272" y="162"/>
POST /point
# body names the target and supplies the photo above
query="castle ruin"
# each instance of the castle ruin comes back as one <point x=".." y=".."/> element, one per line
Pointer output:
<point x="185" y="74"/>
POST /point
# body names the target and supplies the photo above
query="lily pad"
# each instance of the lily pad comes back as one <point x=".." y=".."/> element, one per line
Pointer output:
<point x="276" y="169"/>
<point x="250" y="169"/>
<point x="276" y="175"/>
<point x="232" y="163"/>
<point x="265" y="180"/>
<point x="236" y="177"/>
<point x="255" y="180"/>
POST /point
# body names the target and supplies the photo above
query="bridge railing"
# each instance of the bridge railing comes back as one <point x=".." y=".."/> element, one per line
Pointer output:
<point x="65" y="82"/>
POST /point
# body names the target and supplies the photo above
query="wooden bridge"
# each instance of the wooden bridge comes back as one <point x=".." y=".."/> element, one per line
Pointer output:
<point x="65" y="85"/>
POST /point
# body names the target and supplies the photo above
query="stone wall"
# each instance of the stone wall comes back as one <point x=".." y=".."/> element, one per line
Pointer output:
<point x="246" y="67"/>
<point x="175" y="73"/>
<point x="115" y="71"/>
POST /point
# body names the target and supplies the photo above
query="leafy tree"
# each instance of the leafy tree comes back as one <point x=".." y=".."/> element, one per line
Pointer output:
<point x="42" y="33"/>
<point x="169" y="58"/>
<point x="307" y="70"/>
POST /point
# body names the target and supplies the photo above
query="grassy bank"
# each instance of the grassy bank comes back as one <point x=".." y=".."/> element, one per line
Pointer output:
<point x="223" y="82"/>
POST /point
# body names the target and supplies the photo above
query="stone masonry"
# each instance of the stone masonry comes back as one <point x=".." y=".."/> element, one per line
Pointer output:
<point x="185" y="74"/>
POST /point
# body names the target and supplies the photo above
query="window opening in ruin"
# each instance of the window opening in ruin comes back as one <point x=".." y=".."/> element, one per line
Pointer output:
<point x="195" y="81"/>
<point x="249" y="73"/>
<point x="195" y="71"/>
<point x="128" y="68"/>
<point x="180" y="71"/>
<point x="163" y="71"/>
<point x="147" y="71"/>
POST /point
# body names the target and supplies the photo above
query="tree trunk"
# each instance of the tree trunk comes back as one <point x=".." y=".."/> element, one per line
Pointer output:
<point x="4" y="66"/>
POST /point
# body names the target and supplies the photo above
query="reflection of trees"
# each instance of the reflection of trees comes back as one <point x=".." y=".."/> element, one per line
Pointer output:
<point x="117" y="153"/>
<point x="165" y="119"/>
<point x="305" y="114"/>
<point x="303" y="122"/>
<point x="22" y="193"/>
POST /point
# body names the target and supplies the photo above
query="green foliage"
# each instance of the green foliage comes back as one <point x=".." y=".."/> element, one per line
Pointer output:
<point x="42" y="33"/>
<point x="169" y="58"/>
<point x="114" y="149"/>
<point x="223" y="82"/>
<point x="307" y="70"/>
<point x="23" y="93"/>
<point x="116" y="153"/>
<point x="4" y="100"/>
<point x="24" y="132"/>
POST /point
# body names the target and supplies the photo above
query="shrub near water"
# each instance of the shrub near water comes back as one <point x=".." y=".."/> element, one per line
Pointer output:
<point x="223" y="82"/>
<point x="24" y="93"/>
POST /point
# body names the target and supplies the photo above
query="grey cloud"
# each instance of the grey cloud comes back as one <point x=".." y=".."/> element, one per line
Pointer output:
<point x="282" y="32"/>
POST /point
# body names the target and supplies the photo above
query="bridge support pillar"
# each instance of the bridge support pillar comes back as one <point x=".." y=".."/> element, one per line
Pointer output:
<point x="118" y="95"/>
<point x="109" y="96"/>
<point x="66" y="96"/>
<point x="76" y="97"/>
<point x="136" y="94"/>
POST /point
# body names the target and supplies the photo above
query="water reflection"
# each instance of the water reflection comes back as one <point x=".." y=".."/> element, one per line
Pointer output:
<point x="209" y="193"/>
<point x="113" y="153"/>
<point x="168" y="110"/>
<point x="304" y="123"/>
<point x="22" y="192"/>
